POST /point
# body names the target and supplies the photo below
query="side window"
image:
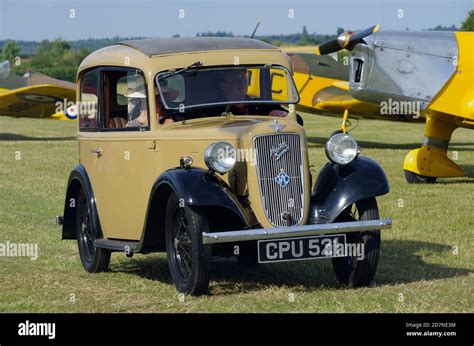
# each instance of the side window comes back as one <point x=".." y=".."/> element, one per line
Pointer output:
<point x="125" y="100"/>
<point x="88" y="104"/>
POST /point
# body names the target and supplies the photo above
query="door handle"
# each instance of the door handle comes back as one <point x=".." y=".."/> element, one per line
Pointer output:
<point x="97" y="151"/>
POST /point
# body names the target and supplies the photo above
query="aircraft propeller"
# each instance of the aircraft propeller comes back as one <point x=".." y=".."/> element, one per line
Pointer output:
<point x="346" y="40"/>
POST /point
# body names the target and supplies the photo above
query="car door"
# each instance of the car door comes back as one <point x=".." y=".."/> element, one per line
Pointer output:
<point x="89" y="135"/>
<point x="123" y="154"/>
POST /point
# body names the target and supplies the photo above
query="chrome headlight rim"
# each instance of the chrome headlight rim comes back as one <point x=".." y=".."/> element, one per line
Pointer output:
<point x="336" y="159"/>
<point x="211" y="157"/>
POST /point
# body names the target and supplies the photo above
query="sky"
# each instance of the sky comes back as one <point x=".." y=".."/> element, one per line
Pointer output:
<point x="73" y="19"/>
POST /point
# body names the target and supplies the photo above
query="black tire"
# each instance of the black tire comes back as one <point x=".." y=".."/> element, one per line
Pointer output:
<point x="189" y="259"/>
<point x="350" y="271"/>
<point x="94" y="260"/>
<point x="248" y="254"/>
<point x="413" y="178"/>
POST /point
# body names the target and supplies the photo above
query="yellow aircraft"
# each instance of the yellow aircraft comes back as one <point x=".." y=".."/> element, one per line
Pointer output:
<point x="35" y="95"/>
<point x="408" y="76"/>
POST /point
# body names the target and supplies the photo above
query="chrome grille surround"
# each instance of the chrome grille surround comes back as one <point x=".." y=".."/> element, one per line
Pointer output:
<point x="277" y="200"/>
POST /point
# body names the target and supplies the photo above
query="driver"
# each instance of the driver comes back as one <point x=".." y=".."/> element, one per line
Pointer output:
<point x="233" y="85"/>
<point x="169" y="94"/>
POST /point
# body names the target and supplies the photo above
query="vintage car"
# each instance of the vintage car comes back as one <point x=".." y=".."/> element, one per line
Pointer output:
<point x="192" y="146"/>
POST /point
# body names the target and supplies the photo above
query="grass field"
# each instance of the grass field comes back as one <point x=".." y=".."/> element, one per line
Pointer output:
<point x="426" y="263"/>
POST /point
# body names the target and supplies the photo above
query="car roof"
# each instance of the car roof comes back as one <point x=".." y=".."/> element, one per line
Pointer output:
<point x="160" y="54"/>
<point x="159" y="46"/>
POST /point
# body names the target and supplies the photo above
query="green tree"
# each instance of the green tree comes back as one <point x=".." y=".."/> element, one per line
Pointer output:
<point x="10" y="51"/>
<point x="304" y="35"/>
<point x="57" y="59"/>
<point x="306" y="38"/>
<point x="51" y="53"/>
<point x="468" y="24"/>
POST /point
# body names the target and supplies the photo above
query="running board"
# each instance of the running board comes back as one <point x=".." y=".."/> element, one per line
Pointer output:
<point x="117" y="245"/>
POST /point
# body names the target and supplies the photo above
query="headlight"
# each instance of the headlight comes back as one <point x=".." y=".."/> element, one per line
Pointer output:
<point x="220" y="157"/>
<point x="341" y="148"/>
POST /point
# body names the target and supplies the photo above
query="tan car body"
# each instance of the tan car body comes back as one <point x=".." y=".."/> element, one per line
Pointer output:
<point x="134" y="160"/>
<point x="144" y="187"/>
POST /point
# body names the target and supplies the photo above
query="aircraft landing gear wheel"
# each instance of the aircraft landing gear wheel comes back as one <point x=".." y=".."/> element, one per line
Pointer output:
<point x="413" y="178"/>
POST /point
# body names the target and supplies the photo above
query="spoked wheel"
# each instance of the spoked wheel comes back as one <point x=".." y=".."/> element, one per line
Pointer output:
<point x="188" y="258"/>
<point x="359" y="269"/>
<point x="413" y="178"/>
<point x="93" y="259"/>
<point x="182" y="247"/>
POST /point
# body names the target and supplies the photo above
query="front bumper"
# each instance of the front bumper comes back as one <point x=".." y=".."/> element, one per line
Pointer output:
<point x="295" y="231"/>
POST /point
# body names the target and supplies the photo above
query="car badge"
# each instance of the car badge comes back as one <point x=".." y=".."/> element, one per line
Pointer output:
<point x="276" y="126"/>
<point x="279" y="150"/>
<point x="282" y="178"/>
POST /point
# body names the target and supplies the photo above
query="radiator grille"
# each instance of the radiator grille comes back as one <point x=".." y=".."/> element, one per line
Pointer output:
<point x="280" y="155"/>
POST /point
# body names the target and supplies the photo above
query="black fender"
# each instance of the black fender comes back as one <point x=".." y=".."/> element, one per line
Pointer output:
<point x="338" y="186"/>
<point x="78" y="179"/>
<point x="199" y="189"/>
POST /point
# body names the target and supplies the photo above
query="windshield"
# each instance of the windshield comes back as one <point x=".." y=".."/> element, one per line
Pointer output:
<point x="205" y="87"/>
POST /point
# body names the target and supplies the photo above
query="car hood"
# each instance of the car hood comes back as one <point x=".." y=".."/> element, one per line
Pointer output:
<point x="225" y="128"/>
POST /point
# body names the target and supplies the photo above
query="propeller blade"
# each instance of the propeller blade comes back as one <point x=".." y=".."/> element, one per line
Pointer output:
<point x="346" y="40"/>
<point x="328" y="47"/>
<point x="359" y="36"/>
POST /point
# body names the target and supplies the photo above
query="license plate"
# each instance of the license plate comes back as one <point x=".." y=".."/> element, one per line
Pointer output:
<point x="301" y="248"/>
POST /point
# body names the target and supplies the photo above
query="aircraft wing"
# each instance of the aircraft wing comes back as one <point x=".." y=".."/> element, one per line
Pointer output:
<point x="336" y="98"/>
<point x="37" y="101"/>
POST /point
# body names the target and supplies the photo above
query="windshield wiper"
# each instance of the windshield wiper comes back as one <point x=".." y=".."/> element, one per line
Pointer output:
<point x="174" y="73"/>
